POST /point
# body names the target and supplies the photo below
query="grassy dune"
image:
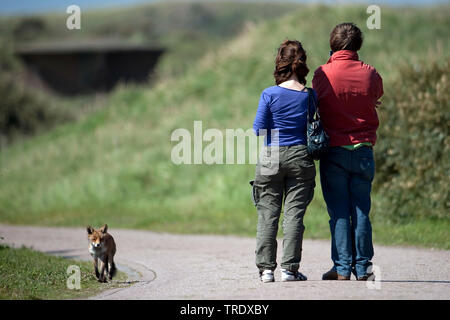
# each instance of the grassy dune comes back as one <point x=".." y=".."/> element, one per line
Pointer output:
<point x="185" y="29"/>
<point x="114" y="166"/>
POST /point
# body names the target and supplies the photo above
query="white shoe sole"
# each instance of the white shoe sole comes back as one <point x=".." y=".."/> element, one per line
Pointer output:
<point x="289" y="280"/>
<point x="292" y="279"/>
<point x="267" y="280"/>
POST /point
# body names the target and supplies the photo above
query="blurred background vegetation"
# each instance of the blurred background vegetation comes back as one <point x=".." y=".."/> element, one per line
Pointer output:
<point x="106" y="157"/>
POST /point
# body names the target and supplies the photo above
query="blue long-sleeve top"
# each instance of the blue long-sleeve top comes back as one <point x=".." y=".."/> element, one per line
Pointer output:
<point x="285" y="110"/>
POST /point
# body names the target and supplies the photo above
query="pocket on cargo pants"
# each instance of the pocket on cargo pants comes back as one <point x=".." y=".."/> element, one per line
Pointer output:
<point x="255" y="193"/>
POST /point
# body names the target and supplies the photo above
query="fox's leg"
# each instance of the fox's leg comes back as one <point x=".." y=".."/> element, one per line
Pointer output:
<point x="112" y="270"/>
<point x="97" y="274"/>
<point x="102" y="277"/>
<point x="105" y="261"/>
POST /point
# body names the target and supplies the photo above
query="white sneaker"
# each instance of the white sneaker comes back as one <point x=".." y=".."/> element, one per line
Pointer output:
<point x="292" y="276"/>
<point x="267" y="276"/>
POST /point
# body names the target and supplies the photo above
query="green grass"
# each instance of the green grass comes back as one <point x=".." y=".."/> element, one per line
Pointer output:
<point x="27" y="274"/>
<point x="114" y="166"/>
<point x="417" y="233"/>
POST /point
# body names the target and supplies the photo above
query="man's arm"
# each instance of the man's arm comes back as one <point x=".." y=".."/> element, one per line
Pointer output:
<point x="378" y="87"/>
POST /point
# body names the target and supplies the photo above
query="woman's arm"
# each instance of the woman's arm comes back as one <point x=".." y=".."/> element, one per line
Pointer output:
<point x="262" y="115"/>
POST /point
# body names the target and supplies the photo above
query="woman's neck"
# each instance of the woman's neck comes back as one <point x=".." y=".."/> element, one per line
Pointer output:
<point x="292" y="84"/>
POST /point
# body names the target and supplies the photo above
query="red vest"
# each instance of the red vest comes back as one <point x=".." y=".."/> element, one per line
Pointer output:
<point x="348" y="90"/>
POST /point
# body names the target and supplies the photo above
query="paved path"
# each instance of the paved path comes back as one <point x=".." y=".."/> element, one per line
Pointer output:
<point x="171" y="266"/>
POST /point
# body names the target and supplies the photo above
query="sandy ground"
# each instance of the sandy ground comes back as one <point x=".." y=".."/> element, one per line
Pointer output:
<point x="167" y="266"/>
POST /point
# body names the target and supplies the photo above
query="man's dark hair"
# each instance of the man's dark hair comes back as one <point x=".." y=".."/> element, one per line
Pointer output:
<point x="346" y="36"/>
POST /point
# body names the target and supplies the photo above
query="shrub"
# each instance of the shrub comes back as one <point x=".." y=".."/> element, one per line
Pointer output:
<point x="412" y="156"/>
<point x="23" y="111"/>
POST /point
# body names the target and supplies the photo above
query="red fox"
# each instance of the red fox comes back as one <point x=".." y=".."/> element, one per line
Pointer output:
<point x="102" y="247"/>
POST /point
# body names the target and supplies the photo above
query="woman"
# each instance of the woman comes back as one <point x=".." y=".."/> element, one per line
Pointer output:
<point x="348" y="92"/>
<point x="285" y="170"/>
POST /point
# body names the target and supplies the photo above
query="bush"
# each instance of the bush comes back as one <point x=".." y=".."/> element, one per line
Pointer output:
<point x="23" y="111"/>
<point x="412" y="156"/>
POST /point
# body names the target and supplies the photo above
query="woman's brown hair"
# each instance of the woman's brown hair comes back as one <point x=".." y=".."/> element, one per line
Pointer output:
<point x="290" y="60"/>
<point x="346" y="36"/>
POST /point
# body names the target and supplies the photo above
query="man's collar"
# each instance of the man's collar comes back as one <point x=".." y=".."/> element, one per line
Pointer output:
<point x="344" y="55"/>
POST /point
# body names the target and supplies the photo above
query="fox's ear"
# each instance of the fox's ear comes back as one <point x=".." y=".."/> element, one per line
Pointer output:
<point x="104" y="228"/>
<point x="89" y="229"/>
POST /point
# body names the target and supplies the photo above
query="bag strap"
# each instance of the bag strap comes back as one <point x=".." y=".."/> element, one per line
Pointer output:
<point x="316" y="112"/>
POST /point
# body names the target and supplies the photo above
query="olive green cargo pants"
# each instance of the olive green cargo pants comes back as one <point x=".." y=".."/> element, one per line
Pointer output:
<point x="290" y="174"/>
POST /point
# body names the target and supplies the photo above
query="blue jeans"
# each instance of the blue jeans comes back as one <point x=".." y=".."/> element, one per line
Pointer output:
<point x="346" y="178"/>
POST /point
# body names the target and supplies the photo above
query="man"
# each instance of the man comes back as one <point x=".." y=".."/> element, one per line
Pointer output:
<point x="348" y="92"/>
